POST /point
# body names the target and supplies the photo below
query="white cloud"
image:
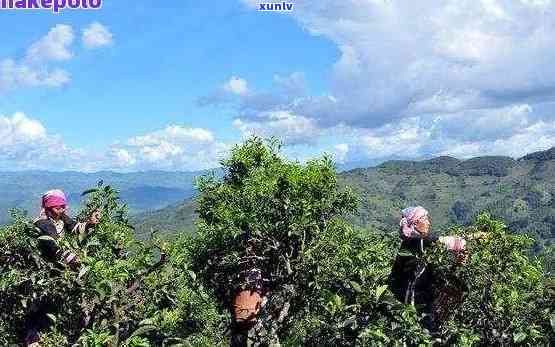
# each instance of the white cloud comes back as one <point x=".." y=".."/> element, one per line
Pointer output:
<point x="285" y="91"/>
<point x="289" y="128"/>
<point x="34" y="69"/>
<point x="537" y="3"/>
<point x="293" y="85"/>
<point x="236" y="85"/>
<point x="14" y="75"/>
<point x="341" y="151"/>
<point x="96" y="35"/>
<point x="26" y="144"/>
<point x="173" y="148"/>
<point x="426" y="78"/>
<point x="236" y="88"/>
<point x="19" y="128"/>
<point x="513" y="131"/>
<point x="121" y="158"/>
<point x="485" y="124"/>
<point x="55" y="46"/>
<point x="396" y="55"/>
<point x="37" y="67"/>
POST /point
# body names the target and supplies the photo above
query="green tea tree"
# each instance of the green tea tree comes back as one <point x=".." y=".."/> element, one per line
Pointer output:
<point x="124" y="292"/>
<point x="504" y="294"/>
<point x="323" y="280"/>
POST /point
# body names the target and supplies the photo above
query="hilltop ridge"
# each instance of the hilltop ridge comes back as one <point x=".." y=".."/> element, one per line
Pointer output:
<point x="520" y="191"/>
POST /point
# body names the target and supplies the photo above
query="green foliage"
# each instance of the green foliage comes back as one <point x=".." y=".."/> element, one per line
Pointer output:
<point x="324" y="280"/>
<point x="328" y="281"/>
<point x="347" y="302"/>
<point x="454" y="192"/>
<point x="506" y="299"/>
<point x="124" y="292"/>
<point x="266" y="213"/>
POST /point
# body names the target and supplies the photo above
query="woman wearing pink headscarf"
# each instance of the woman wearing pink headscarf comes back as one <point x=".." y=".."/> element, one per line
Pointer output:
<point x="54" y="222"/>
<point x="411" y="280"/>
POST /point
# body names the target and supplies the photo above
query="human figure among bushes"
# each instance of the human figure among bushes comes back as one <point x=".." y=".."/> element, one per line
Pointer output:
<point x="54" y="222"/>
<point x="412" y="280"/>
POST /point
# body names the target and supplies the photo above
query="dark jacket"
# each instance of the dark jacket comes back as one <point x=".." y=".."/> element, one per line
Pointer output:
<point x="414" y="282"/>
<point x="411" y="280"/>
<point x="50" y="248"/>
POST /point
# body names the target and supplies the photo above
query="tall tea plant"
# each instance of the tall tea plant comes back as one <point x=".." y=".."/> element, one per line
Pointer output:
<point x="323" y="281"/>
<point x="124" y="292"/>
<point x="266" y="214"/>
<point x="506" y="298"/>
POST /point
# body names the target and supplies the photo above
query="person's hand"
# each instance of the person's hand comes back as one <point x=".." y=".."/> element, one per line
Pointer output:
<point x="95" y="217"/>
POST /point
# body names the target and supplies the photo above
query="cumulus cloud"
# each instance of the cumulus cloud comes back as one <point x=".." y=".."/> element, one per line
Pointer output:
<point x="425" y="78"/>
<point x="340" y="152"/>
<point x="37" y="67"/>
<point x="249" y="102"/>
<point x="34" y="69"/>
<point x="26" y="144"/>
<point x="237" y="86"/>
<point x="291" y="129"/>
<point x="96" y="35"/>
<point x="14" y="75"/>
<point x="55" y="46"/>
<point x="19" y="129"/>
<point x="173" y="148"/>
<point x="398" y="58"/>
<point x="513" y="131"/>
<point x="228" y="92"/>
<point x="268" y="113"/>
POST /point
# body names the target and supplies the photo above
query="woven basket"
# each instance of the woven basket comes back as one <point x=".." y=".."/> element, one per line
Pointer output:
<point x="246" y="305"/>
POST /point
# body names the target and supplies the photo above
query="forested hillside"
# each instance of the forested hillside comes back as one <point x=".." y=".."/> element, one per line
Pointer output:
<point x="521" y="192"/>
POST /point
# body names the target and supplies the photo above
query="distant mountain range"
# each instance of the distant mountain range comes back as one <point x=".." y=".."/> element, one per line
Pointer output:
<point x="142" y="191"/>
<point x="520" y="191"/>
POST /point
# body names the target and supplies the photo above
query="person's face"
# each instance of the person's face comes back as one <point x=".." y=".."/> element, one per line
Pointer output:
<point x="423" y="226"/>
<point x="57" y="211"/>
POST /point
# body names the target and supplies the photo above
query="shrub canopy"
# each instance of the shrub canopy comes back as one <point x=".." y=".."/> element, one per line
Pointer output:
<point x="324" y="280"/>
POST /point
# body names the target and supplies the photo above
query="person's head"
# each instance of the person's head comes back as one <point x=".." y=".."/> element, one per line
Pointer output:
<point x="415" y="222"/>
<point x="54" y="203"/>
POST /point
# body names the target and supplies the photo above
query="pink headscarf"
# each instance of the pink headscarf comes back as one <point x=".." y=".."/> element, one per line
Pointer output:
<point x="53" y="198"/>
<point x="409" y="218"/>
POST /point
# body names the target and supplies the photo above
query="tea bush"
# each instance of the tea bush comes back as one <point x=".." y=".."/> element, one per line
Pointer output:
<point x="124" y="293"/>
<point x="323" y="279"/>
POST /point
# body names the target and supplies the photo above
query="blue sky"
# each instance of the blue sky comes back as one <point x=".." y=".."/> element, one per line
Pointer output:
<point x="157" y="85"/>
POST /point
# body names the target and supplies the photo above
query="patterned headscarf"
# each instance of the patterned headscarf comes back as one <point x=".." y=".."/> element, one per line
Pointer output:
<point x="53" y="198"/>
<point x="409" y="217"/>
